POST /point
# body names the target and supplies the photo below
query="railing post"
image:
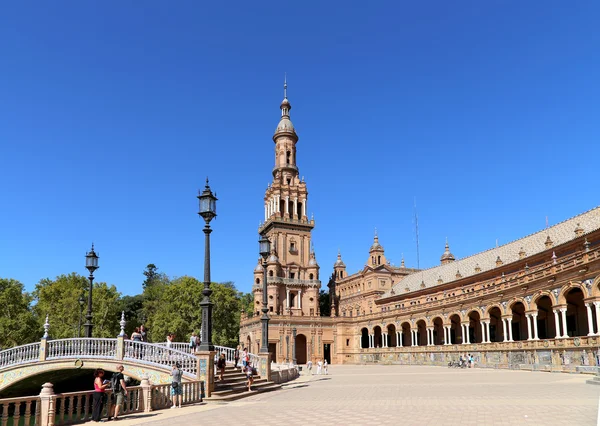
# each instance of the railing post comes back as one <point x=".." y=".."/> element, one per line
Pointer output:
<point x="120" y="347"/>
<point x="47" y="404"/>
<point x="206" y="370"/>
<point x="146" y="398"/>
<point x="43" y="349"/>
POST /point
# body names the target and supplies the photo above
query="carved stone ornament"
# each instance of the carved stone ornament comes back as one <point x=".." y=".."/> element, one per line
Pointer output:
<point x="556" y="292"/>
<point x="588" y="283"/>
<point x="528" y="299"/>
<point x="504" y="305"/>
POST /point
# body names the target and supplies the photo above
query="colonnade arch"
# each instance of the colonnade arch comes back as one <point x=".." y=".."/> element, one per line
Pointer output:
<point x="438" y="331"/>
<point x="391" y="337"/>
<point x="364" y="338"/>
<point x="456" y="334"/>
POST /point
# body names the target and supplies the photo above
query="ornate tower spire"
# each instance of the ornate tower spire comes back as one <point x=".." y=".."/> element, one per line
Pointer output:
<point x="447" y="257"/>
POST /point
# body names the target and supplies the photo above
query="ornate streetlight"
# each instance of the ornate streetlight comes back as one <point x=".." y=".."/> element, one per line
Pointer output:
<point x="81" y="305"/>
<point x="91" y="263"/>
<point x="208" y="211"/>
<point x="264" y="248"/>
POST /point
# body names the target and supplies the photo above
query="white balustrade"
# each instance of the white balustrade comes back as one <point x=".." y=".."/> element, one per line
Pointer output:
<point x="20" y="355"/>
<point x="26" y="408"/>
<point x="82" y="348"/>
<point x="229" y="353"/>
<point x="159" y="355"/>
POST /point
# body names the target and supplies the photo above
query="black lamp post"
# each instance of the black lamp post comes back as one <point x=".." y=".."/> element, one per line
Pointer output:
<point x="294" y="345"/>
<point x="81" y="305"/>
<point x="208" y="211"/>
<point x="91" y="263"/>
<point x="264" y="248"/>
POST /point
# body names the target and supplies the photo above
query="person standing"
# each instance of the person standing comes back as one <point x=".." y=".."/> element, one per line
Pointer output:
<point x="119" y="391"/>
<point x="309" y="367"/>
<point x="221" y="366"/>
<point x="144" y="333"/>
<point x="325" y="366"/>
<point x="319" y="366"/>
<point x="169" y="340"/>
<point x="100" y="386"/>
<point x="236" y="356"/>
<point x="193" y="342"/>
<point x="176" y="385"/>
<point x="244" y="358"/>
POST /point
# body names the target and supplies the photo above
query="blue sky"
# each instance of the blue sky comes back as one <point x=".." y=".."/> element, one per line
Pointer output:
<point x="113" y="113"/>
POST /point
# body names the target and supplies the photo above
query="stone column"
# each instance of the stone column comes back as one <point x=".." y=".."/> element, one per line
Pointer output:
<point x="399" y="339"/>
<point x="287" y="205"/>
<point x="589" y="318"/>
<point x="44" y="350"/>
<point x="487" y="328"/>
<point x="447" y="330"/>
<point x="266" y="213"/>
<point x="120" y="347"/>
<point x="509" y="325"/>
<point x="527" y="318"/>
<point x="299" y="299"/>
<point x="483" y="339"/>
<point x="146" y="396"/>
<point x="287" y="298"/>
<point x="504" y="334"/>
<point x="47" y="405"/>
<point x="597" y="306"/>
<point x="206" y="370"/>
<point x="535" y="326"/>
<point x="303" y="208"/>
<point x="557" y="324"/>
<point x="296" y="206"/>
<point x="563" y="312"/>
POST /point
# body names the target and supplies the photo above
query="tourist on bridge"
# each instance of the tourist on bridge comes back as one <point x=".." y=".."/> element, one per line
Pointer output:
<point x="193" y="342"/>
<point x="176" y="385"/>
<point x="144" y="333"/>
<point x="119" y="391"/>
<point x="136" y="336"/>
<point x="170" y="338"/>
<point x="99" y="394"/>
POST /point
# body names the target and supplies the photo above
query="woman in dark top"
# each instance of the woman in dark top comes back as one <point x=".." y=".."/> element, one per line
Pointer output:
<point x="221" y="366"/>
<point x="98" y="395"/>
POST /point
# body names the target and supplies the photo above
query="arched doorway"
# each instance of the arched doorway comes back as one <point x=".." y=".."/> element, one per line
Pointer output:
<point x="301" y="351"/>
<point x="496" y="330"/>
<point x="518" y="322"/>
<point x="545" y="318"/>
<point x="406" y="340"/>
<point x="455" y="329"/>
<point x="377" y="337"/>
<point x="249" y="343"/>
<point x="421" y="333"/>
<point x="391" y="336"/>
<point x="438" y="331"/>
<point x="474" y="327"/>
<point x="364" y="338"/>
<point x="577" y="324"/>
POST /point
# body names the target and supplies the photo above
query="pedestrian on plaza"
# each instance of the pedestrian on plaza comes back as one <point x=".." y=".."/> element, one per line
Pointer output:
<point x="99" y="395"/>
<point x="236" y="356"/>
<point x="249" y="377"/>
<point x="176" y="386"/>
<point x="144" y="333"/>
<point x="325" y="366"/>
<point x="244" y="358"/>
<point x="309" y="367"/>
<point x="319" y="366"/>
<point x="221" y="366"/>
<point x="193" y="342"/>
<point x="119" y="391"/>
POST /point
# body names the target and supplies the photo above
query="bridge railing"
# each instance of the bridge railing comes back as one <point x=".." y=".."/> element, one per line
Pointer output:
<point x="154" y="354"/>
<point x="23" y="410"/>
<point x="82" y="348"/>
<point x="20" y="355"/>
<point x="229" y="352"/>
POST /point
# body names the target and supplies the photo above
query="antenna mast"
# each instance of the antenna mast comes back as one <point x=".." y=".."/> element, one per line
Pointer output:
<point x="417" y="233"/>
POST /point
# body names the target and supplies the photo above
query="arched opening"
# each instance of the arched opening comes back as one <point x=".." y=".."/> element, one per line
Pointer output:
<point x="290" y="207"/>
<point x="438" y="331"/>
<point x="299" y="209"/>
<point x="364" y="338"/>
<point x="288" y="157"/>
<point x="406" y="339"/>
<point x="248" y="343"/>
<point x="545" y="318"/>
<point x="258" y="281"/>
<point x="270" y="273"/>
<point x="475" y="327"/>
<point x="577" y="324"/>
<point x="391" y="336"/>
<point x="377" y="337"/>
<point x="496" y="330"/>
<point x="311" y="276"/>
<point x="518" y="322"/>
<point x="456" y="334"/>
<point x="301" y="353"/>
<point x="421" y="333"/>
<point x="379" y="260"/>
<point x="292" y="300"/>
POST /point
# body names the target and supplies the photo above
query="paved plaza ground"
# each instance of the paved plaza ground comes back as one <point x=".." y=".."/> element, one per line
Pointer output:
<point x="407" y="395"/>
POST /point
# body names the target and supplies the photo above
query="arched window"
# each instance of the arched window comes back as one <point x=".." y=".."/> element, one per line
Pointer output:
<point x="310" y="276"/>
<point x="258" y="281"/>
<point x="270" y="273"/>
<point x="379" y="260"/>
<point x="288" y="156"/>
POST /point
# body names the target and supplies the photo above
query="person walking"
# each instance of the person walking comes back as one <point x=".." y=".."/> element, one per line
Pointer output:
<point x="325" y="366"/>
<point x="248" y="369"/>
<point x="319" y="366"/>
<point x="176" y="386"/>
<point x="244" y="358"/>
<point x="309" y="367"/>
<point x="119" y="391"/>
<point x="236" y="356"/>
<point x="193" y="343"/>
<point x="99" y="394"/>
<point x="221" y="366"/>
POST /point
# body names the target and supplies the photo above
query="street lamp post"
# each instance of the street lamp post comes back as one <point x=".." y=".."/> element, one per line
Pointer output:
<point x="208" y="211"/>
<point x="294" y="345"/>
<point x="81" y="305"/>
<point x="91" y="263"/>
<point x="264" y="248"/>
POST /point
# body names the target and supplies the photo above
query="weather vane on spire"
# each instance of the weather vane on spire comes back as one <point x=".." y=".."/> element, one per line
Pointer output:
<point x="285" y="85"/>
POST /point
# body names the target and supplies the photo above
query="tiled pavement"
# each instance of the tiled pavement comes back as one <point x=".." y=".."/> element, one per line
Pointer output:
<point x="407" y="395"/>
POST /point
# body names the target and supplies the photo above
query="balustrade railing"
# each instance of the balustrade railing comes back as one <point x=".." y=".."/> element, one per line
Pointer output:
<point x="229" y="353"/>
<point x="82" y="348"/>
<point x="180" y="346"/>
<point x="150" y="353"/>
<point x="21" y="411"/>
<point x="20" y="355"/>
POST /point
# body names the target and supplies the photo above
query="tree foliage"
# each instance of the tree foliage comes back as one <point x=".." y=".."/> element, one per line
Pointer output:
<point x="324" y="303"/>
<point x="17" y="322"/>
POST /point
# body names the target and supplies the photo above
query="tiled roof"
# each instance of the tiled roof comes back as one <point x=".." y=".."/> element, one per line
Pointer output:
<point x="532" y="244"/>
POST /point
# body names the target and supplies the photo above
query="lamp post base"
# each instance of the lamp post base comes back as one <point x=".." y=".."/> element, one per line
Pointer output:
<point x="265" y="365"/>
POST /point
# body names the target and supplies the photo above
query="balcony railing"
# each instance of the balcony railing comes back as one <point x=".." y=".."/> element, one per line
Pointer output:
<point x="293" y="281"/>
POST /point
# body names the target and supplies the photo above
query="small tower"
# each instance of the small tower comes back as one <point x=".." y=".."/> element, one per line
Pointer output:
<point x="313" y="267"/>
<point x="447" y="257"/>
<point x="257" y="287"/>
<point x="376" y="252"/>
<point x="339" y="267"/>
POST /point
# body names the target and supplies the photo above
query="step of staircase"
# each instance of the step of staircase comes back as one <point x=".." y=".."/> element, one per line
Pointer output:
<point x="235" y="384"/>
<point x="235" y="394"/>
<point x="594" y="381"/>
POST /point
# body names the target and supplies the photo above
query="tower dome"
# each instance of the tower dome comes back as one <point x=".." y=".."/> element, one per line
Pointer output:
<point x="285" y="126"/>
<point x="447" y="257"/>
<point x="339" y="263"/>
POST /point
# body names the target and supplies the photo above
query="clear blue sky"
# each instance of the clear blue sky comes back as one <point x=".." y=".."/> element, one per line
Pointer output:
<point x="113" y="113"/>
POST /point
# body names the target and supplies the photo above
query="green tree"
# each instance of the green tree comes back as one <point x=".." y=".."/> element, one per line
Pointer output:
<point x="133" y="306"/>
<point x="151" y="306"/>
<point x="324" y="303"/>
<point x="17" y="322"/>
<point x="58" y="297"/>
<point x="226" y="314"/>
<point x="247" y="303"/>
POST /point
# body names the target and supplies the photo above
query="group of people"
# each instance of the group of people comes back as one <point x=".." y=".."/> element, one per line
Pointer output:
<point x="321" y="366"/>
<point x="247" y="367"/>
<point x="118" y="386"/>
<point x="467" y="359"/>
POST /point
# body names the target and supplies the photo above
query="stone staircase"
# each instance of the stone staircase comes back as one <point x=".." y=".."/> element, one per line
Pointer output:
<point x="233" y="386"/>
<point x="594" y="381"/>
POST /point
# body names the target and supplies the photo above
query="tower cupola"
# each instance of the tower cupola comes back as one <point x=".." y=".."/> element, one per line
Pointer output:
<point x="339" y="267"/>
<point x="447" y="257"/>
<point x="376" y="252"/>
